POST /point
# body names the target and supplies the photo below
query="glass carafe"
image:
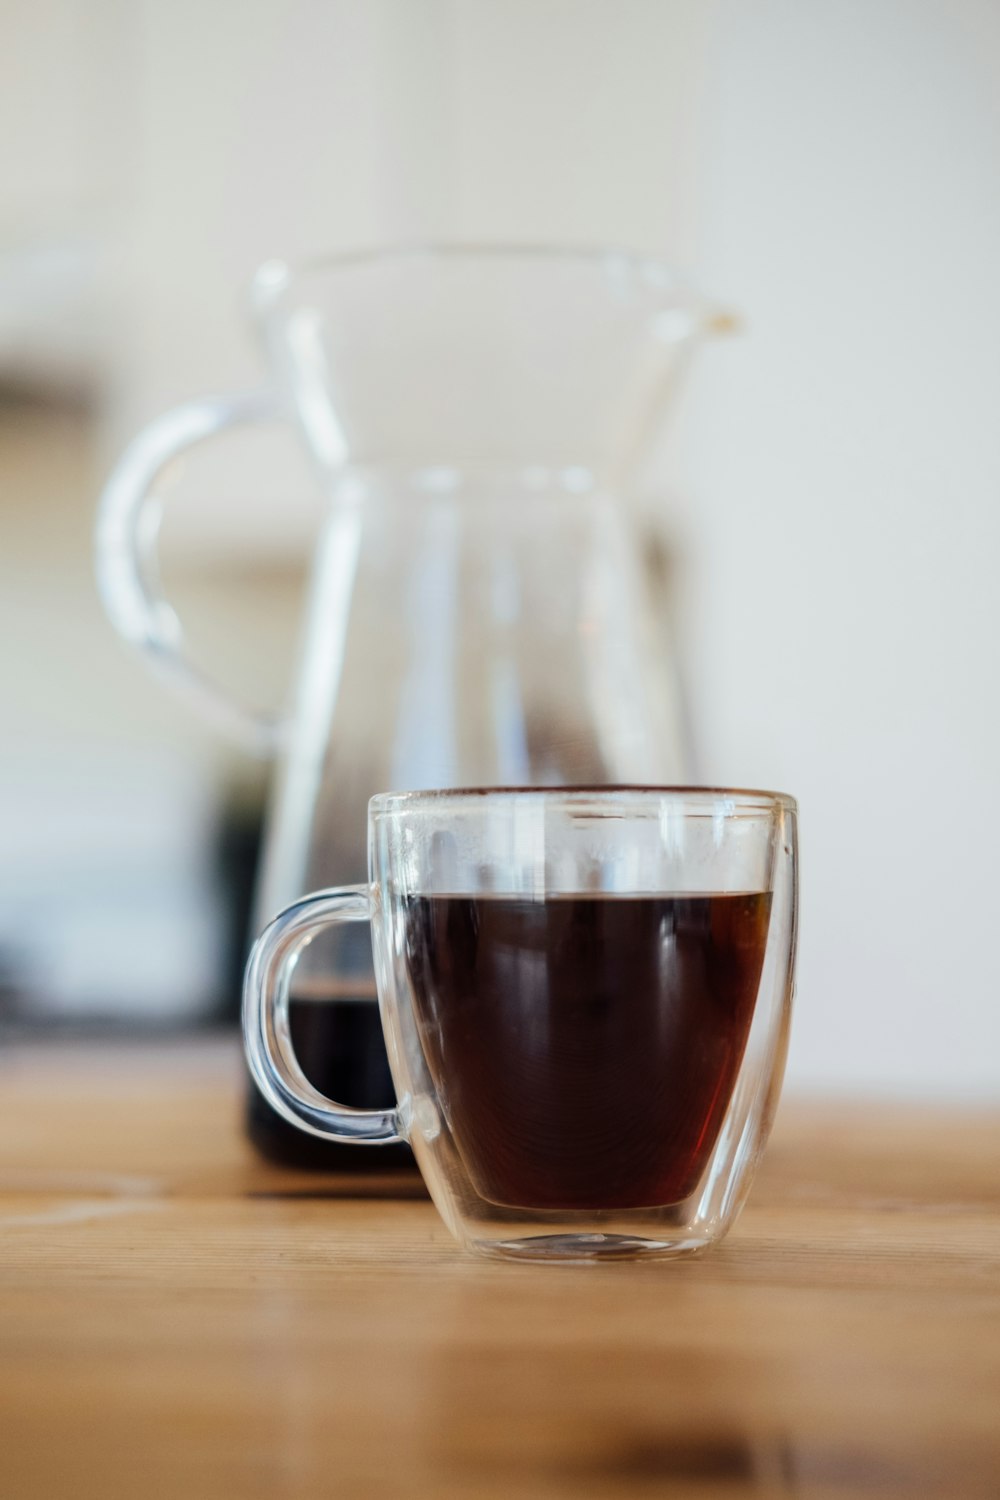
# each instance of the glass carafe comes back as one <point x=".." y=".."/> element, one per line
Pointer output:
<point x="479" y="611"/>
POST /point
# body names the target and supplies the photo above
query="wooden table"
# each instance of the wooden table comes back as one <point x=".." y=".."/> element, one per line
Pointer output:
<point x="179" y="1320"/>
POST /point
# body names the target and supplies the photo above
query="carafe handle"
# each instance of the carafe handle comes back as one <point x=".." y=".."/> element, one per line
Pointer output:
<point x="125" y="564"/>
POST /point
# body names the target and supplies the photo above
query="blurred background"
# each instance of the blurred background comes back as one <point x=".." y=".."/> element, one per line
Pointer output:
<point x="829" y="497"/>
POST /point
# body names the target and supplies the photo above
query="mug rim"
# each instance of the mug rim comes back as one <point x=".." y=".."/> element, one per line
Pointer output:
<point x="743" y="799"/>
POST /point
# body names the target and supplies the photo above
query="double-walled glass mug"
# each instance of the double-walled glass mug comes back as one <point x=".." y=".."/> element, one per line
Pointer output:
<point x="586" y="998"/>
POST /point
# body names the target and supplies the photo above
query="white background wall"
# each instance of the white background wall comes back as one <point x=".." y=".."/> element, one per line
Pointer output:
<point x="842" y="509"/>
<point x="829" y="169"/>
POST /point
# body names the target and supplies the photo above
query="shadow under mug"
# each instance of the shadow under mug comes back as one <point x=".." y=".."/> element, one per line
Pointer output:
<point x="586" y="997"/>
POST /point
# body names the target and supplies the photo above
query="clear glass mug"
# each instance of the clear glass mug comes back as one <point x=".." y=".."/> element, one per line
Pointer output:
<point x="586" y="998"/>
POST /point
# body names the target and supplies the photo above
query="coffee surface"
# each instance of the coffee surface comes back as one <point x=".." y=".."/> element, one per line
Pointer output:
<point x="585" y="1047"/>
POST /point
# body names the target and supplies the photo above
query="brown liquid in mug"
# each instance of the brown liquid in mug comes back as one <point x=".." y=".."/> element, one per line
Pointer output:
<point x="585" y="1047"/>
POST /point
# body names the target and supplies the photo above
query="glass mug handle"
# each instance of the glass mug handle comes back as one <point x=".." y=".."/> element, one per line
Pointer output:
<point x="125" y="571"/>
<point x="267" y="1035"/>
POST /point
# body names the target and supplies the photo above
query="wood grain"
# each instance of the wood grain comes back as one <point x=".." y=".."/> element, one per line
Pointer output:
<point x="178" y="1319"/>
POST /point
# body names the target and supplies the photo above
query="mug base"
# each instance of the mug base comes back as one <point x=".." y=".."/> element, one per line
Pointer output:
<point x="587" y="1247"/>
